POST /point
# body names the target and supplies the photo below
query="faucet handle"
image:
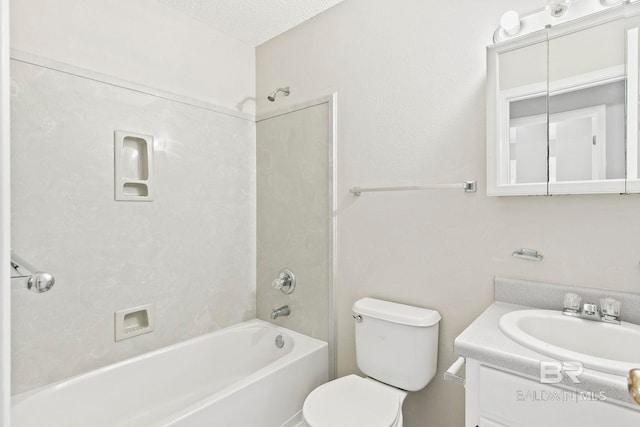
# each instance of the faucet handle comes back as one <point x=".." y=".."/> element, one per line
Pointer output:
<point x="610" y="308"/>
<point x="571" y="302"/>
<point x="278" y="283"/>
<point x="285" y="282"/>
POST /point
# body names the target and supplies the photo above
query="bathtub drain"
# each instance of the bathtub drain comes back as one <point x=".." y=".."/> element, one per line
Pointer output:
<point x="279" y="341"/>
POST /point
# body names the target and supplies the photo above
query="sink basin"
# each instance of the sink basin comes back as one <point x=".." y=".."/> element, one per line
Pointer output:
<point x="604" y="347"/>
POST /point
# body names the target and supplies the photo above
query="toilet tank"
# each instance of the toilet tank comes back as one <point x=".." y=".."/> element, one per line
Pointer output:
<point x="396" y="344"/>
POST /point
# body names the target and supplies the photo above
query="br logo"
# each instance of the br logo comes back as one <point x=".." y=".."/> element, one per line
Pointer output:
<point x="554" y="372"/>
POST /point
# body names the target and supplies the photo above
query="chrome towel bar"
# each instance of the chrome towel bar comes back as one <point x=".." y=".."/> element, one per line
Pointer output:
<point x="36" y="280"/>
<point x="467" y="186"/>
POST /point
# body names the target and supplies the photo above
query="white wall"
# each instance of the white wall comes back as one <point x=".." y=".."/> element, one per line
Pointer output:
<point x="410" y="78"/>
<point x="141" y="41"/>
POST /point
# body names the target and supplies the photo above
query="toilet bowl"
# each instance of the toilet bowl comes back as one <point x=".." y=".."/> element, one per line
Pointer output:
<point x="396" y="347"/>
<point x="353" y="401"/>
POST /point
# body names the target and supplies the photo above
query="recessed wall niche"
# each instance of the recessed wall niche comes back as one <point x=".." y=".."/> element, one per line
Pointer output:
<point x="133" y="166"/>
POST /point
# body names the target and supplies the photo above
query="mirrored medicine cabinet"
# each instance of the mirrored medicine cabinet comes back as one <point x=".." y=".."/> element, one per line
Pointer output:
<point x="562" y="108"/>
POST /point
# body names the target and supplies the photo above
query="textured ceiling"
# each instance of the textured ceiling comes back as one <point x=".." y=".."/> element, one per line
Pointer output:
<point x="251" y="21"/>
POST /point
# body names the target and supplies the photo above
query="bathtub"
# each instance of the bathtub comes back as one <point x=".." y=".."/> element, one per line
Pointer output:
<point x="236" y="377"/>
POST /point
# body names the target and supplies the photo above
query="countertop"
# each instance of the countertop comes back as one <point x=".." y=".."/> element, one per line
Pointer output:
<point x="484" y="341"/>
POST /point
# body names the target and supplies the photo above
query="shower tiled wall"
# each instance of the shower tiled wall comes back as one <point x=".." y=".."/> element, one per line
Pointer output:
<point x="191" y="251"/>
<point x="294" y="218"/>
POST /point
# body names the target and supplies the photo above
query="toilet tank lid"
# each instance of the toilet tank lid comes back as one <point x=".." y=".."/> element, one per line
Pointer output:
<point x="396" y="313"/>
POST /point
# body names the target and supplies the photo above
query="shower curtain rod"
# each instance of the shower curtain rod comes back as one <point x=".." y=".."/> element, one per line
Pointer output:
<point x="467" y="186"/>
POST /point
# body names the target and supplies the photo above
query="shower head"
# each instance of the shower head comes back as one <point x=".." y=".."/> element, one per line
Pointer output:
<point x="272" y="96"/>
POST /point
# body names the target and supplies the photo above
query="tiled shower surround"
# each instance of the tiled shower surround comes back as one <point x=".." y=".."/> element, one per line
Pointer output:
<point x="191" y="251"/>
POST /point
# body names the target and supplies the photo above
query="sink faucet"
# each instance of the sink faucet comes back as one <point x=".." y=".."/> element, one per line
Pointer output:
<point x="282" y="311"/>
<point x="609" y="310"/>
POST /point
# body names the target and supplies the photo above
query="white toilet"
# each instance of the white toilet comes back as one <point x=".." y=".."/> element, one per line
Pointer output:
<point x="397" y="347"/>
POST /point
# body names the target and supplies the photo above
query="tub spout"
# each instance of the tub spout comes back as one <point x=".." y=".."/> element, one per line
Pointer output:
<point x="282" y="311"/>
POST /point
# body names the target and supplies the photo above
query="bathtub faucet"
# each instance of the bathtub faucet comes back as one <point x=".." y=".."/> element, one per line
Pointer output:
<point x="282" y="311"/>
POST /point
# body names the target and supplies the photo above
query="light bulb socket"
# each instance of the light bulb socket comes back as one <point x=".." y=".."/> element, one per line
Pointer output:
<point x="510" y="23"/>
<point x="558" y="8"/>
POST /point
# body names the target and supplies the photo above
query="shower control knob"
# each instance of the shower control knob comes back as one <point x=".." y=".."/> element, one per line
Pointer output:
<point x="285" y="282"/>
<point x="278" y="283"/>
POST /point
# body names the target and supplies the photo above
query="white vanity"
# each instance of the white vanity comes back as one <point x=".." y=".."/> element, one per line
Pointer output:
<point x="508" y="384"/>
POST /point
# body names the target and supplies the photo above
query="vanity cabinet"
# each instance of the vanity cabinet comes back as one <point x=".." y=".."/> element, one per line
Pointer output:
<point x="500" y="398"/>
<point x="562" y="108"/>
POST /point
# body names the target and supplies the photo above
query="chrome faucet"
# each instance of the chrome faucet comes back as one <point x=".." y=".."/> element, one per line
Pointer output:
<point x="609" y="310"/>
<point x="282" y="311"/>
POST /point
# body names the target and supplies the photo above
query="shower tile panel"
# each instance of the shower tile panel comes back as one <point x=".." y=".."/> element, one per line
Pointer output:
<point x="191" y="252"/>
<point x="293" y="222"/>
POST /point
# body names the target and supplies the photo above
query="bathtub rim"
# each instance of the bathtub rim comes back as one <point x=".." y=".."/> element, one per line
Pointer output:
<point x="310" y="345"/>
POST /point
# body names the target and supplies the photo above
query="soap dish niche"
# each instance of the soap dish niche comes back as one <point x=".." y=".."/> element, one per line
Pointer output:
<point x="133" y="166"/>
<point x="134" y="321"/>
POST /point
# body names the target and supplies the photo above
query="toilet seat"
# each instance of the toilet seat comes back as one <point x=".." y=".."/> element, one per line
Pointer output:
<point x="353" y="401"/>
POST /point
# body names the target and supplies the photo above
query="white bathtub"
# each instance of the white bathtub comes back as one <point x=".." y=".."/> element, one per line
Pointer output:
<point x="232" y="377"/>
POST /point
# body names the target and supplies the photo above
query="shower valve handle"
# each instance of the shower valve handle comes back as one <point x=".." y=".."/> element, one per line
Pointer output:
<point x="285" y="282"/>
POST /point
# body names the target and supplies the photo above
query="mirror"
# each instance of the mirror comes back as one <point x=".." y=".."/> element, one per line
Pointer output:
<point x="523" y="87"/>
<point x="521" y="103"/>
<point x="586" y="98"/>
<point x="556" y="110"/>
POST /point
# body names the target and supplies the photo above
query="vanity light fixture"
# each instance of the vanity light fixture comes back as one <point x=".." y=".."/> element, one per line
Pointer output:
<point x="513" y="24"/>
